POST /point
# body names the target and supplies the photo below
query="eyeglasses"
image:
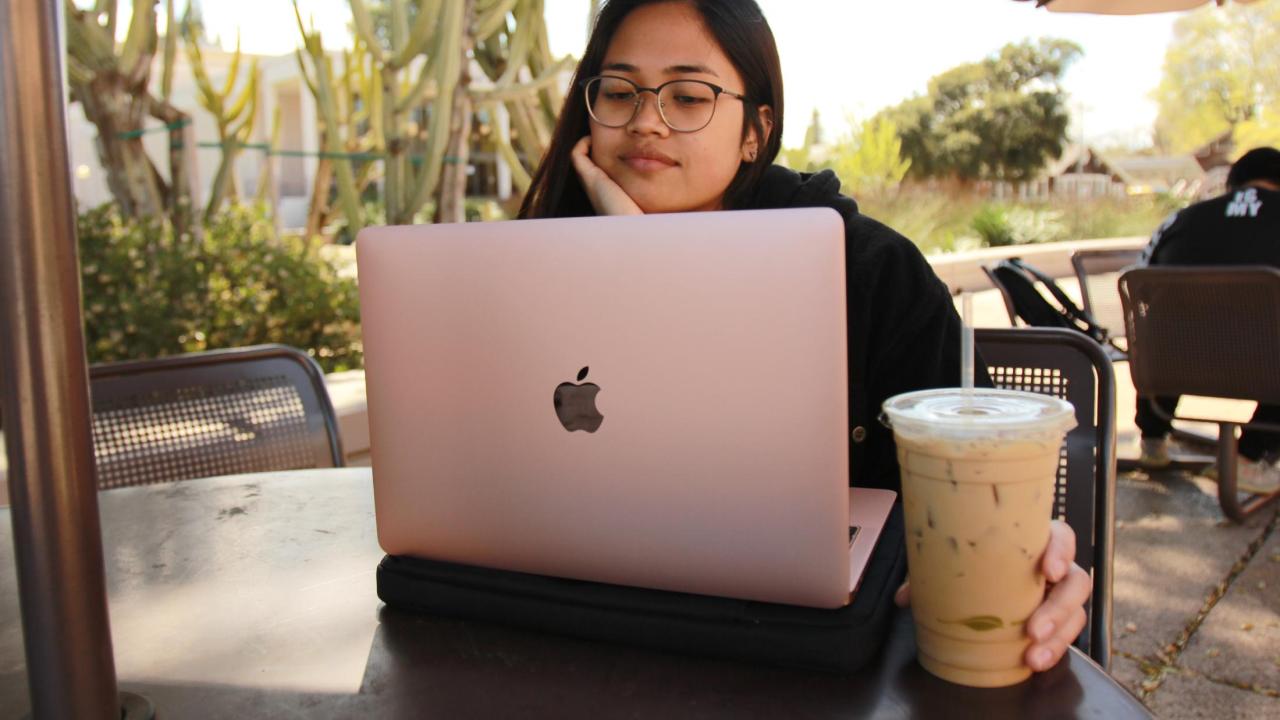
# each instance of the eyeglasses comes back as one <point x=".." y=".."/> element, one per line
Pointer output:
<point x="684" y="105"/>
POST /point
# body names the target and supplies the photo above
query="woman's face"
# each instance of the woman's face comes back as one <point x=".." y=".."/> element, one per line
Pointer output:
<point x="661" y="169"/>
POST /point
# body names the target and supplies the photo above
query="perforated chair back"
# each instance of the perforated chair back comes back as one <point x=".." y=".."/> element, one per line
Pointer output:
<point x="1066" y="364"/>
<point x="222" y="412"/>
<point x="1098" y="272"/>
<point x="1211" y="331"/>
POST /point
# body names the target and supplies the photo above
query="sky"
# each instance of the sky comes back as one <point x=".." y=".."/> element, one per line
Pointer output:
<point x="851" y="58"/>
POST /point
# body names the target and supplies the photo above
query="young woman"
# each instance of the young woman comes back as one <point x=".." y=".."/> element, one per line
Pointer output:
<point x="676" y="106"/>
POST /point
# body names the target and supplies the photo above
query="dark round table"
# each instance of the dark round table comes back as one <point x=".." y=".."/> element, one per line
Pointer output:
<point x="253" y="596"/>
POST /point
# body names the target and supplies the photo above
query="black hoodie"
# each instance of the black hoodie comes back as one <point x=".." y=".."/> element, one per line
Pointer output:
<point x="904" y="333"/>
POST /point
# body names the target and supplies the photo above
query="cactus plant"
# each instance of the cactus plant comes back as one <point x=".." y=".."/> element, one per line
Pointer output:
<point x="524" y="74"/>
<point x="419" y="97"/>
<point x="234" y="121"/>
<point x="266" y="192"/>
<point x="453" y="170"/>
<point x="437" y="38"/>
<point x="509" y="43"/>
<point x="110" y="81"/>
<point x="325" y="87"/>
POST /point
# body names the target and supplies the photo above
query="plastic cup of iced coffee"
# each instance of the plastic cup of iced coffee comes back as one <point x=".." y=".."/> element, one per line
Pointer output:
<point x="978" y="475"/>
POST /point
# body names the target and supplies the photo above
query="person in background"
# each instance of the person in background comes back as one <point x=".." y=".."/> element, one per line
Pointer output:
<point x="1241" y="227"/>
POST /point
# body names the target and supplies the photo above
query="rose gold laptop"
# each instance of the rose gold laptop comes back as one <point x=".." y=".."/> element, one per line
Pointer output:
<point x="655" y="401"/>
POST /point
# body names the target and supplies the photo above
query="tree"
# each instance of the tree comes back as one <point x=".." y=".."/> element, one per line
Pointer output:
<point x="870" y="159"/>
<point x="1001" y="118"/>
<point x="1221" y="73"/>
<point x="814" y="134"/>
<point x="802" y="159"/>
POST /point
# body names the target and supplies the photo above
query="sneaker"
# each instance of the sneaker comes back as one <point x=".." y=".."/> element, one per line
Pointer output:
<point x="1257" y="476"/>
<point x="1155" y="453"/>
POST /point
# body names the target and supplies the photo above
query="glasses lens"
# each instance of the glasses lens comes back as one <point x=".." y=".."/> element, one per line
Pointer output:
<point x="611" y="101"/>
<point x="687" y="105"/>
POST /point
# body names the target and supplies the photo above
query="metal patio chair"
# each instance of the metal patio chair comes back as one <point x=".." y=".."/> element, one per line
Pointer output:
<point x="1098" y="272"/>
<point x="221" y="412"/>
<point x="1068" y="365"/>
<point x="1212" y="332"/>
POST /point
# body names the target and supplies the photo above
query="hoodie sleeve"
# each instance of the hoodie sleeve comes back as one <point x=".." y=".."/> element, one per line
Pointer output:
<point x="903" y="331"/>
<point x="909" y="340"/>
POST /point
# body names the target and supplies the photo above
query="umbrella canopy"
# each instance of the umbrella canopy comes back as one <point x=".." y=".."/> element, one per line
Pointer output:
<point x="1123" y="7"/>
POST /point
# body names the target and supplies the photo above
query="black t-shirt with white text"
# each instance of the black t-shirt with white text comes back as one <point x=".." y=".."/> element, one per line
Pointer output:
<point x="1241" y="227"/>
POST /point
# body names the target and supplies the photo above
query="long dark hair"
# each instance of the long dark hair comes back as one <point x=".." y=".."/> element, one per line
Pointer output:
<point x="742" y="33"/>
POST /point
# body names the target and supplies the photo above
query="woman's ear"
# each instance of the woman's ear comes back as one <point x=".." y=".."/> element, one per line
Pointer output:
<point x="752" y="144"/>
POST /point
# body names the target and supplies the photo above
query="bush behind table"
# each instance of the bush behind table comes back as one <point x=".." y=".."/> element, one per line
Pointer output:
<point x="150" y="293"/>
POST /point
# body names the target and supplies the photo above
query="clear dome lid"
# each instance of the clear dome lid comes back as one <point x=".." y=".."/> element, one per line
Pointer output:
<point x="979" y="412"/>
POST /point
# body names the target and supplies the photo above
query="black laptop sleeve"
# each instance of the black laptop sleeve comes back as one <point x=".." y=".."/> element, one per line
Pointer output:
<point x="839" y="640"/>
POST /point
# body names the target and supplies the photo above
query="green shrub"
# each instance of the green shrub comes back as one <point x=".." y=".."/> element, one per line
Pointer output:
<point x="992" y="225"/>
<point x="148" y="293"/>
<point x="1001" y="225"/>
<point x="375" y="213"/>
<point x="1035" y="224"/>
<point x="943" y="217"/>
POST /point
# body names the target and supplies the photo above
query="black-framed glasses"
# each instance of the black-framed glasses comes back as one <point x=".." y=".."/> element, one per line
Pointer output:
<point x="684" y="105"/>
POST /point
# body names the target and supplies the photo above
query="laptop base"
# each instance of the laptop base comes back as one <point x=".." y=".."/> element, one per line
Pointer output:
<point x="839" y="640"/>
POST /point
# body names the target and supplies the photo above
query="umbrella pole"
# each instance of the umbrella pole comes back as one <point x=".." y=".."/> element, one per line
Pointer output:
<point x="56" y="532"/>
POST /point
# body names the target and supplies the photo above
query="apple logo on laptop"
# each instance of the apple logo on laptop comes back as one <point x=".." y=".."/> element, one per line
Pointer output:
<point x="576" y="405"/>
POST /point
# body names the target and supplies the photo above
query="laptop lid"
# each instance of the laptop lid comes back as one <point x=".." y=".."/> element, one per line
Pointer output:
<point x="657" y="401"/>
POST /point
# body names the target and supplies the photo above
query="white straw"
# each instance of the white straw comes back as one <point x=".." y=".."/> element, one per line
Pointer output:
<point x="966" y="342"/>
